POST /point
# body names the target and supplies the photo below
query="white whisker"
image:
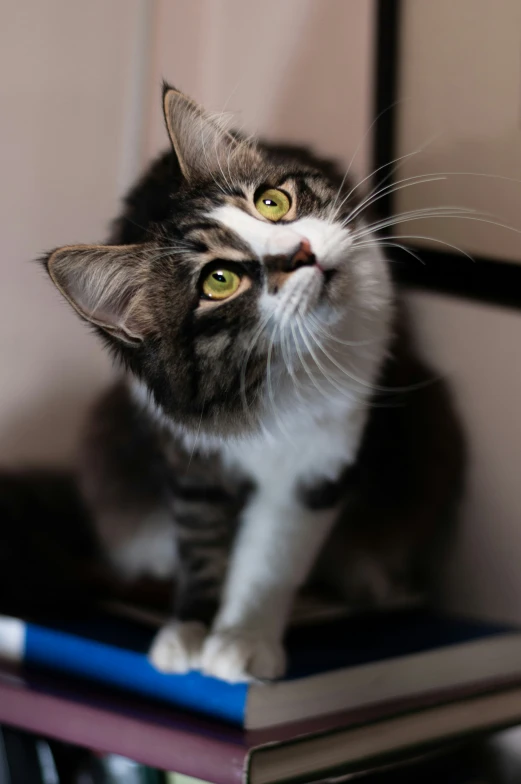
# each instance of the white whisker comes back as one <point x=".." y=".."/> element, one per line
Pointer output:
<point x="400" y="160"/>
<point x="286" y="357"/>
<point x="377" y="241"/>
<point x="330" y="336"/>
<point x="330" y="380"/>
<point x="303" y="361"/>
<point x="424" y="212"/>
<point x="362" y="382"/>
<point x="395" y="222"/>
<point x="271" y="395"/>
<point x="257" y="334"/>
<point x="389" y="244"/>
<point x="420" y="179"/>
<point x="359" y="147"/>
<point x="408" y="182"/>
<point x="208" y="166"/>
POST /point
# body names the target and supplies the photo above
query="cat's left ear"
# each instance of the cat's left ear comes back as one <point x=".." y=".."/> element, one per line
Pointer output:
<point x="201" y="143"/>
<point x="106" y="285"/>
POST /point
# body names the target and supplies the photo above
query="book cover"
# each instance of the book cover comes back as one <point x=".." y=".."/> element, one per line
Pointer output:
<point x="334" y="666"/>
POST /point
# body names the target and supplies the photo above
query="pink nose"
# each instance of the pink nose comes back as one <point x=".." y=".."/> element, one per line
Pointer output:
<point x="303" y="257"/>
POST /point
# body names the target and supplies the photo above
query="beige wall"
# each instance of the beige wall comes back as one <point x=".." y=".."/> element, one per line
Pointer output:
<point x="461" y="100"/>
<point x="476" y="347"/>
<point x="298" y="70"/>
<point x="62" y="99"/>
<point x="461" y="89"/>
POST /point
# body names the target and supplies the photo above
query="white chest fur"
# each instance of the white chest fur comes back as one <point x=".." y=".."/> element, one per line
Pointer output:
<point x="308" y="447"/>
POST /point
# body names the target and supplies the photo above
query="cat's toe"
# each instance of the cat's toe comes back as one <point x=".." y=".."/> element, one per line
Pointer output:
<point x="177" y="647"/>
<point x="237" y="655"/>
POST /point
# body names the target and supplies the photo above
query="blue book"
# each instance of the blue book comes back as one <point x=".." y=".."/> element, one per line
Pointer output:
<point x="335" y="666"/>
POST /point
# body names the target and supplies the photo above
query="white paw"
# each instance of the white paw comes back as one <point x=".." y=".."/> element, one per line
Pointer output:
<point x="177" y="647"/>
<point x="239" y="655"/>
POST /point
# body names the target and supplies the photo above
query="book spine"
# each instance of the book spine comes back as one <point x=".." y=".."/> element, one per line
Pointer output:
<point x="120" y="668"/>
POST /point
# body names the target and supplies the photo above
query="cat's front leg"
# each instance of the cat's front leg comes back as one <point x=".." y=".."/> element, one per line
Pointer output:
<point x="274" y="552"/>
<point x="203" y="534"/>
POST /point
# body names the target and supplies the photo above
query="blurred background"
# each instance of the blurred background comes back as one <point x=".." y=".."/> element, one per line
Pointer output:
<point x="81" y="116"/>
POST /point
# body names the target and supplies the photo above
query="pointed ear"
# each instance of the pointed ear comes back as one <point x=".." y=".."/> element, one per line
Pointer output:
<point x="201" y="143"/>
<point x="106" y="286"/>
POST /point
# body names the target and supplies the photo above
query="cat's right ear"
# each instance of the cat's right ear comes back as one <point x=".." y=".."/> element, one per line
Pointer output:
<point x="106" y="285"/>
<point x="201" y="143"/>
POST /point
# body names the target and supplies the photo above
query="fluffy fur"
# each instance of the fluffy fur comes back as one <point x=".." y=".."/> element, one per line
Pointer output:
<point x="282" y="435"/>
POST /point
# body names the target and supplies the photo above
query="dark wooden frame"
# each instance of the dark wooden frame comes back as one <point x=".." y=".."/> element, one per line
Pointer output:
<point x="487" y="280"/>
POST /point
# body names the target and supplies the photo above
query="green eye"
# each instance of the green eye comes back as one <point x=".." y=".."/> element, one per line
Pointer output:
<point x="221" y="284"/>
<point x="273" y="204"/>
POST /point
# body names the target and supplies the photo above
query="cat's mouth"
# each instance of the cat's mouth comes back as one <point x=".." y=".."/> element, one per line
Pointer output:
<point x="306" y="289"/>
<point x="328" y="275"/>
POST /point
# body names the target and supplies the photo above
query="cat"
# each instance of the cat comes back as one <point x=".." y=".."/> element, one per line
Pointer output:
<point x="272" y="427"/>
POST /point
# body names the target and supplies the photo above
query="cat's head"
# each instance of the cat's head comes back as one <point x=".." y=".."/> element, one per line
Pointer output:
<point x="254" y="261"/>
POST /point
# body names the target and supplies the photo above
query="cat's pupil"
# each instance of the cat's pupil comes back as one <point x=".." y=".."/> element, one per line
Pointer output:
<point x="219" y="277"/>
<point x="269" y="203"/>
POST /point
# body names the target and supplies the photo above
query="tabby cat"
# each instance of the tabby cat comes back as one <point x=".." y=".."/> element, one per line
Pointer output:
<point x="273" y="427"/>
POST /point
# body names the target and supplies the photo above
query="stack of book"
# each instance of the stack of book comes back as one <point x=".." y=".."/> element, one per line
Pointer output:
<point x="361" y="691"/>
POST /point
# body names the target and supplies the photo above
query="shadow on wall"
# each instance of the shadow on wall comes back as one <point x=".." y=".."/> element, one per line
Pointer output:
<point x="46" y="434"/>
